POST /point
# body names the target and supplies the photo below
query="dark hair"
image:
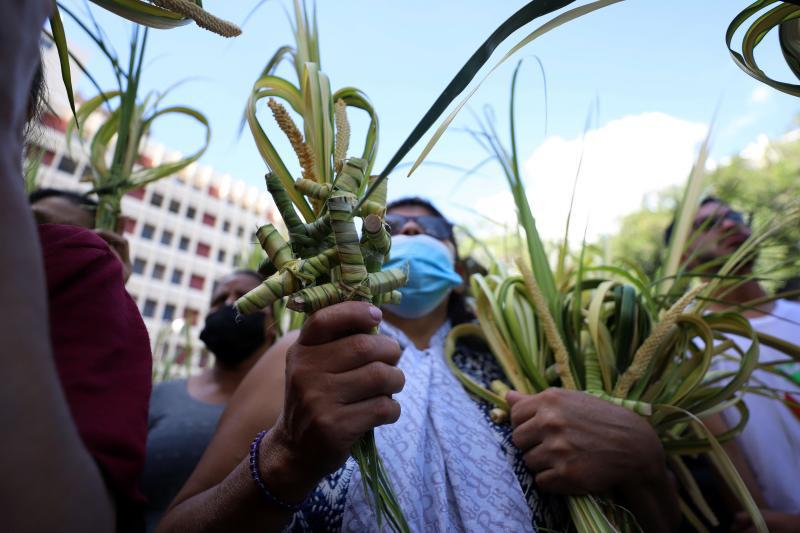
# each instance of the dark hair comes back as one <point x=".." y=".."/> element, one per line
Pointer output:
<point x="80" y="200"/>
<point x="242" y="271"/>
<point x="248" y="272"/>
<point x="36" y="100"/>
<point x="458" y="311"/>
<point x="671" y="227"/>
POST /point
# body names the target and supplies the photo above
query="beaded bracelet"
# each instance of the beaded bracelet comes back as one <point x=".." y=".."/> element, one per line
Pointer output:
<point x="271" y="499"/>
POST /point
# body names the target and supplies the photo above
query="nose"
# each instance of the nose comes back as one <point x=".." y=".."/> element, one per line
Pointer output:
<point x="411" y="228"/>
<point x="729" y="225"/>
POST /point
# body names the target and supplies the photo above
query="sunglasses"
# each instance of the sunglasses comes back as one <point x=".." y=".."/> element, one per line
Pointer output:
<point x="717" y="220"/>
<point x="436" y="227"/>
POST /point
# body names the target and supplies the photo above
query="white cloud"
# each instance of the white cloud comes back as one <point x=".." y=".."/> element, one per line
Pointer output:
<point x="760" y="94"/>
<point x="623" y="161"/>
<point x="756" y="151"/>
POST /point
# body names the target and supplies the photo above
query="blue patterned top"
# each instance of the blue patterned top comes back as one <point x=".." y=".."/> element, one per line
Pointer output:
<point x="325" y="509"/>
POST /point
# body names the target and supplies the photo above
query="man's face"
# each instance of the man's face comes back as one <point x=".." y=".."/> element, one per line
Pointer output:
<point x="57" y="210"/>
<point x="718" y="232"/>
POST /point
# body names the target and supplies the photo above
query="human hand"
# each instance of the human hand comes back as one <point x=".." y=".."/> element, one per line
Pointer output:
<point x="575" y="443"/>
<point x="339" y="382"/>
<point x="20" y="31"/>
<point x="120" y="247"/>
<point x="777" y="522"/>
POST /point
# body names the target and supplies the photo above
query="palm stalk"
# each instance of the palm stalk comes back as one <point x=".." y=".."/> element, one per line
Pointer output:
<point x="128" y="119"/>
<point x="323" y="261"/>
<point x="160" y="14"/>
<point x="612" y="332"/>
<point x="784" y="15"/>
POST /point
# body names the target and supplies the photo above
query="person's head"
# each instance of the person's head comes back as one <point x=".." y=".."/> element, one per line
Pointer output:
<point x="409" y="218"/>
<point x="54" y="206"/>
<point x="717" y="232"/>
<point x="231" y="338"/>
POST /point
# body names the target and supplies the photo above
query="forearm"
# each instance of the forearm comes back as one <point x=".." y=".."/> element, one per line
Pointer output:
<point x="653" y="500"/>
<point x="236" y="504"/>
<point x="44" y="464"/>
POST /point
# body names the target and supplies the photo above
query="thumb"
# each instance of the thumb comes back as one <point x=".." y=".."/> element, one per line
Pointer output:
<point x="513" y="397"/>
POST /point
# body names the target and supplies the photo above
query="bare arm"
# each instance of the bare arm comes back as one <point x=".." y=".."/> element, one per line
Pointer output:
<point x="48" y="480"/>
<point x="717" y="425"/>
<point x="777" y="522"/>
<point x="338" y="384"/>
<point x="254" y="406"/>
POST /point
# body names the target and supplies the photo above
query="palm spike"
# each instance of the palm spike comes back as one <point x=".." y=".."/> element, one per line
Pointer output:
<point x="287" y="125"/>
<point x="202" y="18"/>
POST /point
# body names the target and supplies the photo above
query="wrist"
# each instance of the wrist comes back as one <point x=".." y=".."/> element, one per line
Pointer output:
<point x="282" y="471"/>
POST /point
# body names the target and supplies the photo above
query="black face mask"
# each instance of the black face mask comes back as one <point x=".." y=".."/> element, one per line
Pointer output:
<point x="232" y="339"/>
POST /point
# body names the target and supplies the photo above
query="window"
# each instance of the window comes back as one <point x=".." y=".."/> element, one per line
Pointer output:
<point x="87" y="173"/>
<point x="177" y="276"/>
<point x="158" y="271"/>
<point x="47" y="156"/>
<point x="221" y="256"/>
<point x="190" y="316"/>
<point x="157" y="199"/>
<point x="184" y="243"/>
<point x="197" y="282"/>
<point x="203" y="250"/>
<point x="209" y="219"/>
<point x="130" y="225"/>
<point x="190" y="212"/>
<point x="136" y="193"/>
<point x="226" y="226"/>
<point x="169" y="312"/>
<point x="139" y="265"/>
<point x="67" y="164"/>
<point x="213" y="191"/>
<point x="166" y="237"/>
<point x="239" y="231"/>
<point x="174" y="206"/>
<point x="147" y="231"/>
<point x="149" y="309"/>
<point x="237" y="260"/>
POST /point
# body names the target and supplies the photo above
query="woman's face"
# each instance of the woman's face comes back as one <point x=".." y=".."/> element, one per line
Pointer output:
<point x="231" y="288"/>
<point x="413" y="226"/>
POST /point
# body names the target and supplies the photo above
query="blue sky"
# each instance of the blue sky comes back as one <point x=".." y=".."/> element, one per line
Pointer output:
<point x="657" y="68"/>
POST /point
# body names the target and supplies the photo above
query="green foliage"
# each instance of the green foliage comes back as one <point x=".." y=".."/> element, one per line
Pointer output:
<point x="762" y="189"/>
<point x="641" y="234"/>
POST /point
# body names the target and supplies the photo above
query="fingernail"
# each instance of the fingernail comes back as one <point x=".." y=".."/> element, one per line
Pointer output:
<point x="375" y="313"/>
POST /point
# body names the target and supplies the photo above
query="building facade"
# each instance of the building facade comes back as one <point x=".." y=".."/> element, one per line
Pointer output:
<point x="185" y="232"/>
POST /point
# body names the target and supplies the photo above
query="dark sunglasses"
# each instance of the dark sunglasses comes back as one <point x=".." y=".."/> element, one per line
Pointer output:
<point x="717" y="220"/>
<point x="436" y="227"/>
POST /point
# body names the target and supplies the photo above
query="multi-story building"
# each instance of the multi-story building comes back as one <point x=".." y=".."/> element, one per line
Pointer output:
<point x="185" y="231"/>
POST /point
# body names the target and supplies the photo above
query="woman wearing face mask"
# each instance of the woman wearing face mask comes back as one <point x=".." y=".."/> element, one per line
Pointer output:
<point x="185" y="412"/>
<point x="451" y="467"/>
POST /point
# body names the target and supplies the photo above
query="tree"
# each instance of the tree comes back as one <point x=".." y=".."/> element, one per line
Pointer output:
<point x="761" y="188"/>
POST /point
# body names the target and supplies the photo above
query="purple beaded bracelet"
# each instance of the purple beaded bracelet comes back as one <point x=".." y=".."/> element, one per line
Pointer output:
<point x="271" y="499"/>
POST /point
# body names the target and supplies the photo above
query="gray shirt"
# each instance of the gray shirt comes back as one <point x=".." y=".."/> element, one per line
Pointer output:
<point x="179" y="430"/>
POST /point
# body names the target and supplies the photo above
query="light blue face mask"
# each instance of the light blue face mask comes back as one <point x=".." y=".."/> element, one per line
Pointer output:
<point x="431" y="274"/>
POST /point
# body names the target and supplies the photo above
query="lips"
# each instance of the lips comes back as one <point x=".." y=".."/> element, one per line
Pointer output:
<point x="734" y="241"/>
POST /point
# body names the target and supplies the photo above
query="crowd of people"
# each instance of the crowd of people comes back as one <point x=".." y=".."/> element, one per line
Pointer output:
<point x="261" y="440"/>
